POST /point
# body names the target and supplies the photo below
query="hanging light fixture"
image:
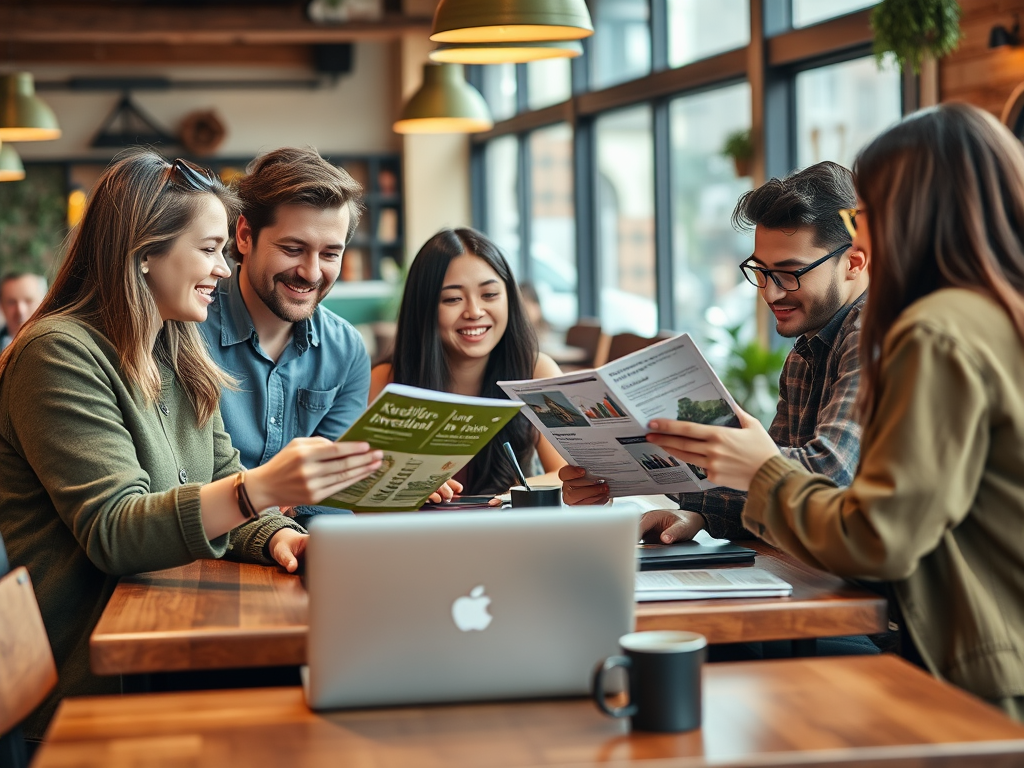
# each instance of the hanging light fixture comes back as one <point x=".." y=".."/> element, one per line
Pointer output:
<point x="506" y="53"/>
<point x="11" y="168"/>
<point x="23" y="115"/>
<point x="445" y="103"/>
<point x="510" y="21"/>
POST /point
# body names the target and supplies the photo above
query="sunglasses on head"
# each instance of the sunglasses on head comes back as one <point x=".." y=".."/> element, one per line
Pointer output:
<point x="191" y="176"/>
<point x="849" y="217"/>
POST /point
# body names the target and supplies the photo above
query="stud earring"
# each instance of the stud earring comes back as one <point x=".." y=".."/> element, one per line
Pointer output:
<point x="145" y="269"/>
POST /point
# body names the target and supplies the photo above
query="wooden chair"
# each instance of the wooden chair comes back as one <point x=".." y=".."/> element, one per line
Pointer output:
<point x="27" y="669"/>
<point x="623" y="344"/>
<point x="585" y="335"/>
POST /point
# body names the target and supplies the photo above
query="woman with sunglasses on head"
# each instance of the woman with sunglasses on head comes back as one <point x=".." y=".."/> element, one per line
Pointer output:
<point x="113" y="456"/>
<point x="462" y="328"/>
<point x="936" y="508"/>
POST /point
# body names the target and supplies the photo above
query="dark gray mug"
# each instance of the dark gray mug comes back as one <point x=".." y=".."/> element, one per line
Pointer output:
<point x="542" y="496"/>
<point x="664" y="669"/>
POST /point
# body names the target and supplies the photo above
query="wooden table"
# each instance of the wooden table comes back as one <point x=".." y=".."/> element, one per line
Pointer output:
<point x="828" y="711"/>
<point x="212" y="613"/>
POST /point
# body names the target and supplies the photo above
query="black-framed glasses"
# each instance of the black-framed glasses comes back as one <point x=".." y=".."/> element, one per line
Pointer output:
<point x="787" y="280"/>
<point x="191" y="176"/>
<point x="849" y="217"/>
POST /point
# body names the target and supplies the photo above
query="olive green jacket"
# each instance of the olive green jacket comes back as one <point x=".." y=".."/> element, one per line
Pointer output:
<point x="95" y="484"/>
<point x="937" y="506"/>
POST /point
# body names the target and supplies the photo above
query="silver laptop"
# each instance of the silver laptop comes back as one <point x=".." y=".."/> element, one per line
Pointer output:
<point x="461" y="606"/>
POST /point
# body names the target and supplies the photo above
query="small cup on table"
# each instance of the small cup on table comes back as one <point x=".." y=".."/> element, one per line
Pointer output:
<point x="536" y="496"/>
<point x="664" y="672"/>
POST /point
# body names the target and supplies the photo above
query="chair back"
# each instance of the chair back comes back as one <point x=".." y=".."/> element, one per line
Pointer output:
<point x="623" y="344"/>
<point x="27" y="669"/>
<point x="586" y="335"/>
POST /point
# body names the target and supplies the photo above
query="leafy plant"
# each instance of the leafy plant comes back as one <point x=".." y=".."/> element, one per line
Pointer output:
<point x="752" y="374"/>
<point x="908" y="29"/>
<point x="739" y="145"/>
<point x="32" y="220"/>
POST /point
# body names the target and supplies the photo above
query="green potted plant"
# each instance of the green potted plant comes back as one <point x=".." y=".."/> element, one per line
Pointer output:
<point x="910" y="30"/>
<point x="739" y="145"/>
<point x="752" y="375"/>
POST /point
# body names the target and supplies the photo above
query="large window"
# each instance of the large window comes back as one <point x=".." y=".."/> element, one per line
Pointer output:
<point x="841" y="107"/>
<point x="625" y="219"/>
<point x="621" y="45"/>
<point x="699" y="28"/>
<point x="503" y="196"/>
<point x="617" y="202"/>
<point x="553" y="225"/>
<point x="709" y="290"/>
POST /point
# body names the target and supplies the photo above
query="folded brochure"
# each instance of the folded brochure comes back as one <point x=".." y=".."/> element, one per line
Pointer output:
<point x="426" y="437"/>
<point x="712" y="582"/>
<point x="597" y="419"/>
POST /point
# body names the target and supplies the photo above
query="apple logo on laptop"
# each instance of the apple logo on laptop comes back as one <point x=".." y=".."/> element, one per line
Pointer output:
<point x="470" y="612"/>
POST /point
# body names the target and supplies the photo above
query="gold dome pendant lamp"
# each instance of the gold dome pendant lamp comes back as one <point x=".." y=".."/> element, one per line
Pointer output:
<point x="23" y="115"/>
<point x="445" y="103"/>
<point x="11" y="168"/>
<point x="510" y="21"/>
<point x="506" y="53"/>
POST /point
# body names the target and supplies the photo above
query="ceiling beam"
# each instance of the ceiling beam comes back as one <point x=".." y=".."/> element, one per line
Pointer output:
<point x="89" y="23"/>
<point x="297" y="56"/>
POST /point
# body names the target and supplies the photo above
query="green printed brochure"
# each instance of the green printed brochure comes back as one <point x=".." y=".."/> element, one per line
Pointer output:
<point x="426" y="437"/>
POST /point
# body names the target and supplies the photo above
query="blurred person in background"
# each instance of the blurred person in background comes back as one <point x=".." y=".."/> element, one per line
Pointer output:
<point x="21" y="293"/>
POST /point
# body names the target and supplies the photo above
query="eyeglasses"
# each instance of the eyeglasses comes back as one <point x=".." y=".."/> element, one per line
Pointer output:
<point x="191" y="176"/>
<point x="849" y="217"/>
<point x="787" y="280"/>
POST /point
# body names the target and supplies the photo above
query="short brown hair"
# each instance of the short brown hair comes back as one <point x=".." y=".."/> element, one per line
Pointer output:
<point x="294" y="176"/>
<point x="809" y="198"/>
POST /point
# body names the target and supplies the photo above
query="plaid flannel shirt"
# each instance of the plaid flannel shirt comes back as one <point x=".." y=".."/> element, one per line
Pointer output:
<point x="814" y="422"/>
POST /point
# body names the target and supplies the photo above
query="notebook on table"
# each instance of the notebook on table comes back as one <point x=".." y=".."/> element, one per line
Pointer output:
<point x="692" y="554"/>
<point x="433" y="607"/>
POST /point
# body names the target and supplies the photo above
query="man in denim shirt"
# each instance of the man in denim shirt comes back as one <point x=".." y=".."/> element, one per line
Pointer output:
<point x="301" y="370"/>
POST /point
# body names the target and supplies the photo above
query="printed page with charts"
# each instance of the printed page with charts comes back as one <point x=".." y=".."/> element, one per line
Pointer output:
<point x="705" y="584"/>
<point x="426" y="436"/>
<point x="598" y="419"/>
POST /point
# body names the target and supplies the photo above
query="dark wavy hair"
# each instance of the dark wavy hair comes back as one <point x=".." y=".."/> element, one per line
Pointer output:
<point x="419" y="357"/>
<point x="943" y="193"/>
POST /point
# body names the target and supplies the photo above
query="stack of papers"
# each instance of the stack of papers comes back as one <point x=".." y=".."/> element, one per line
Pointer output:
<point x="705" y="584"/>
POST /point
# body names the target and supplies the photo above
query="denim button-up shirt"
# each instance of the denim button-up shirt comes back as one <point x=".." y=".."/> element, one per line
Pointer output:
<point x="318" y="386"/>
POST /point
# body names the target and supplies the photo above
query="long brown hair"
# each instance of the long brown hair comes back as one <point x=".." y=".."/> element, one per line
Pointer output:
<point x="944" y="198"/>
<point x="137" y="210"/>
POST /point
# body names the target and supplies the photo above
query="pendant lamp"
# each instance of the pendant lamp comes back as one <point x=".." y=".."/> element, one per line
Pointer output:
<point x="510" y="21"/>
<point x="506" y="53"/>
<point x="445" y="103"/>
<point x="11" y="168"/>
<point x="23" y="115"/>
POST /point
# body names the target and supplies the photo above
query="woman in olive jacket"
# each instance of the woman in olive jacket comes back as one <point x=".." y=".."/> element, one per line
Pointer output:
<point x="113" y="455"/>
<point x="937" y="506"/>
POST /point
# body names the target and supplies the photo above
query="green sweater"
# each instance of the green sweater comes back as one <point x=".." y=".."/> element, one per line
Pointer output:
<point x="95" y="484"/>
<point x="937" y="505"/>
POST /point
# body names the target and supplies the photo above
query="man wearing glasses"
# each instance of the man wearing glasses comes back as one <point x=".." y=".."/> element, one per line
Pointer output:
<point x="814" y="282"/>
<point x="301" y="370"/>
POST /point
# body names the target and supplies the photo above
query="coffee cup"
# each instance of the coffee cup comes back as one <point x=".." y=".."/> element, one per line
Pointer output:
<point x="664" y="672"/>
<point x="536" y="496"/>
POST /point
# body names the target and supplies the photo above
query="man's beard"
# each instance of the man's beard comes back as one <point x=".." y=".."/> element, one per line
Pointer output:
<point x="818" y="313"/>
<point x="285" y="309"/>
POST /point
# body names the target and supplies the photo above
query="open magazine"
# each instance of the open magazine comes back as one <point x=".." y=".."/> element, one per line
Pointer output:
<point x="597" y="419"/>
<point x="426" y="437"/>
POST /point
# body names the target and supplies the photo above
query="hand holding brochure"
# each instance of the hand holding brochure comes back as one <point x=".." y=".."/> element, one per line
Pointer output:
<point x="426" y="437"/>
<point x="598" y="419"/>
<point x="705" y="584"/>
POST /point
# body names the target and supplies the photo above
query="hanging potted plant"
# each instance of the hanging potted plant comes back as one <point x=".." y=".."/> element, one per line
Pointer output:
<point x="739" y="145"/>
<point x="910" y="30"/>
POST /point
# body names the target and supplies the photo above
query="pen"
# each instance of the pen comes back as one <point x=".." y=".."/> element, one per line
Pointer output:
<point x="515" y="464"/>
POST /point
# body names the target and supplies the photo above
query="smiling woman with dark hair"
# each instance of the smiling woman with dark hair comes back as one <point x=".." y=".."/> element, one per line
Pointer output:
<point x="462" y="328"/>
